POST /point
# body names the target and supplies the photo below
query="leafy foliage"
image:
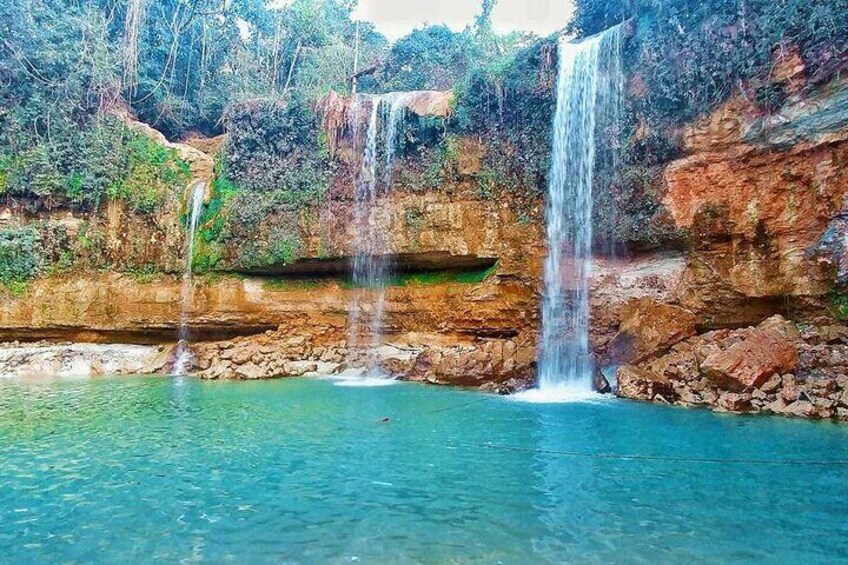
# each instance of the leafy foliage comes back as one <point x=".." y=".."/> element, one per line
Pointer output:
<point x="274" y="149"/>
<point x="21" y="257"/>
<point x="693" y="55"/>
<point x="152" y="171"/>
<point x="195" y="59"/>
<point x="681" y="58"/>
<point x="430" y="58"/>
<point x="512" y="101"/>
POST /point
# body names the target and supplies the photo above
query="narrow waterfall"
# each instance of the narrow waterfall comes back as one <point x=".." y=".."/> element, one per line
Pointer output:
<point x="183" y="355"/>
<point x="371" y="265"/>
<point x="588" y="90"/>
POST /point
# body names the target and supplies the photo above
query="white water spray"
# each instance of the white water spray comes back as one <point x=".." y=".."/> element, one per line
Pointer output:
<point x="184" y="358"/>
<point x="371" y="266"/>
<point x="132" y="29"/>
<point x="588" y="86"/>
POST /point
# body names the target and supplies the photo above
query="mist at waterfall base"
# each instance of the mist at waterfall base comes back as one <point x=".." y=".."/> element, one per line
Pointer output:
<point x="371" y="266"/>
<point x="588" y="94"/>
<point x="183" y="355"/>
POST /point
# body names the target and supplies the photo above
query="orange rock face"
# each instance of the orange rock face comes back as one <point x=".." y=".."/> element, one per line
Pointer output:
<point x="757" y="193"/>
<point x="648" y="327"/>
<point x="752" y="362"/>
<point x="635" y="382"/>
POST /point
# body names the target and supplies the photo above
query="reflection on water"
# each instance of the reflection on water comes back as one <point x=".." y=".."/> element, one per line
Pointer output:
<point x="301" y="470"/>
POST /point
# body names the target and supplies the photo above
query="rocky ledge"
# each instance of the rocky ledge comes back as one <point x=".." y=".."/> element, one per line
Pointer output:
<point x="496" y="364"/>
<point x="773" y="368"/>
<point x="37" y="360"/>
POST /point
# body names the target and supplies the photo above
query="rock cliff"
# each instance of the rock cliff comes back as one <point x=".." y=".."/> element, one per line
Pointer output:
<point x="760" y="196"/>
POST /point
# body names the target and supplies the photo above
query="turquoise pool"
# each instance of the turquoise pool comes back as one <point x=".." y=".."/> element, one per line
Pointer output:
<point x="302" y="471"/>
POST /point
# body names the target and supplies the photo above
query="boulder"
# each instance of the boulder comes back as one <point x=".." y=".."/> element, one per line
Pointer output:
<point x="250" y="372"/>
<point x="735" y="402"/>
<point x="751" y="362"/>
<point x="776" y="407"/>
<point x="772" y="385"/>
<point x="299" y="368"/>
<point x="600" y="383"/>
<point x="782" y="326"/>
<point x="431" y="103"/>
<point x="800" y="409"/>
<point x="640" y="384"/>
<point x="649" y="327"/>
<point x="163" y="361"/>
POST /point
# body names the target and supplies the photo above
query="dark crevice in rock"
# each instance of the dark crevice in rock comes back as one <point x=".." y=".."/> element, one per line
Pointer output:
<point x="145" y="336"/>
<point x="400" y="263"/>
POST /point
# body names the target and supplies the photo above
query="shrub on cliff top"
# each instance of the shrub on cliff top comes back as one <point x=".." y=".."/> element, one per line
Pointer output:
<point x="274" y="146"/>
<point x="691" y="56"/>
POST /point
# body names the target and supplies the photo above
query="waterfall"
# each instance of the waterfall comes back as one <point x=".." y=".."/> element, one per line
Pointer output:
<point x="371" y="265"/>
<point x="183" y="354"/>
<point x="588" y="91"/>
<point x="132" y="27"/>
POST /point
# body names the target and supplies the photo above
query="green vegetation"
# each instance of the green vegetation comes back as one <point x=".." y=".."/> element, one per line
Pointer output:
<point x="256" y="70"/>
<point x="693" y="55"/>
<point x="152" y="172"/>
<point x="284" y="284"/>
<point x="435" y="278"/>
<point x="21" y="257"/>
<point x="273" y="167"/>
<point x="144" y="274"/>
<point x="839" y="302"/>
<point x="681" y="59"/>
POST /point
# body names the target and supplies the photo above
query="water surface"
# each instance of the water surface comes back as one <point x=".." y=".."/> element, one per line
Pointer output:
<point x="142" y="469"/>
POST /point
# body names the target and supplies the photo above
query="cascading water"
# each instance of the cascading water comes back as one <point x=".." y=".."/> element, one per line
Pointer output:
<point x="183" y="356"/>
<point x="588" y="90"/>
<point x="370" y="264"/>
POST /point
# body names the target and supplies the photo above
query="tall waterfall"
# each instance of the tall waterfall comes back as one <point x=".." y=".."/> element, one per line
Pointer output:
<point x="371" y="265"/>
<point x="183" y="354"/>
<point x="588" y="92"/>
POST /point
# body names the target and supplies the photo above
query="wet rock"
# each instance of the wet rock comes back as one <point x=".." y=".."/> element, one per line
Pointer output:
<point x="752" y="362"/>
<point x="688" y="397"/>
<point x="789" y="392"/>
<point x="510" y="386"/>
<point x="202" y="364"/>
<point x="824" y="408"/>
<point x="600" y="383"/>
<point x="299" y="368"/>
<point x="243" y="355"/>
<point x="163" y="361"/>
<point x="776" y="407"/>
